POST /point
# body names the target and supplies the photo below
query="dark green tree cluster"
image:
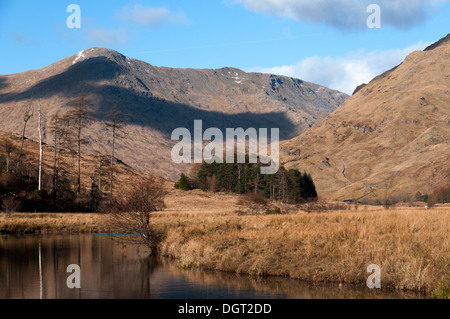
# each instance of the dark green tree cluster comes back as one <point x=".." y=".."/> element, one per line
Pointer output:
<point x="183" y="183"/>
<point x="290" y="186"/>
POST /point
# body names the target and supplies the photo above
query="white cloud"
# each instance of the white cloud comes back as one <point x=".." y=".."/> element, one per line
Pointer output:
<point x="152" y="17"/>
<point x="344" y="73"/>
<point x="348" y="14"/>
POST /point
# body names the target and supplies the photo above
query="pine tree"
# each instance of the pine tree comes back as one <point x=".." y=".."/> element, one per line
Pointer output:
<point x="309" y="189"/>
<point x="80" y="117"/>
<point x="183" y="183"/>
<point x="116" y="120"/>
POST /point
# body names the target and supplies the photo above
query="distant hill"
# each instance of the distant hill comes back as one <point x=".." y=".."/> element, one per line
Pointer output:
<point x="160" y="99"/>
<point x="391" y="138"/>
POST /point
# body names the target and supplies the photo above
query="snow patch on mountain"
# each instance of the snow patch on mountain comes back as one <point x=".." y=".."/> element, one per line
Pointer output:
<point x="79" y="56"/>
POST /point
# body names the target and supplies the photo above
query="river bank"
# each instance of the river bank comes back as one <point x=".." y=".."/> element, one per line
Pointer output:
<point x="410" y="245"/>
<point x="51" y="223"/>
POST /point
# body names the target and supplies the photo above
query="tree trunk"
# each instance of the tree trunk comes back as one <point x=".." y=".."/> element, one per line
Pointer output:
<point x="19" y="162"/>
<point x="7" y="162"/>
<point x="40" y="147"/>
<point x="111" y="177"/>
<point x="26" y="118"/>
<point x="100" y="175"/>
<point x="55" y="169"/>
<point x="79" y="161"/>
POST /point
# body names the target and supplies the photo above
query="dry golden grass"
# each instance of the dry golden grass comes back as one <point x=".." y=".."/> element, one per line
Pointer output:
<point x="24" y="223"/>
<point x="199" y="201"/>
<point x="410" y="245"/>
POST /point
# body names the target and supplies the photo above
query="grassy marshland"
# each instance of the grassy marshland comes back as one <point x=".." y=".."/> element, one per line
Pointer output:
<point x="35" y="223"/>
<point x="412" y="246"/>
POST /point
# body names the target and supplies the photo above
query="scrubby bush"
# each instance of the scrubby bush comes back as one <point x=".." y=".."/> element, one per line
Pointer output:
<point x="37" y="192"/>
<point x="323" y="206"/>
<point x="10" y="205"/>
<point x="131" y="212"/>
<point x="273" y="211"/>
<point x="253" y="202"/>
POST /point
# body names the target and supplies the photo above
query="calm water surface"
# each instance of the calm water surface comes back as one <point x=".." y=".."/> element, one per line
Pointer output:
<point x="110" y="270"/>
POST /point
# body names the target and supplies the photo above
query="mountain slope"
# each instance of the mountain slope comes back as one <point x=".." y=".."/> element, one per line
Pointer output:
<point x="390" y="138"/>
<point x="159" y="99"/>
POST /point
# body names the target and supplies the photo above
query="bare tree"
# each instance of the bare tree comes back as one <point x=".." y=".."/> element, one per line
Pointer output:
<point x="193" y="175"/>
<point x="130" y="214"/>
<point x="40" y="147"/>
<point x="10" y="205"/>
<point x="9" y="148"/>
<point x="80" y="117"/>
<point x="285" y="208"/>
<point x="115" y="123"/>
<point x="27" y="114"/>
<point x="59" y="128"/>
<point x="211" y="182"/>
<point x="100" y="170"/>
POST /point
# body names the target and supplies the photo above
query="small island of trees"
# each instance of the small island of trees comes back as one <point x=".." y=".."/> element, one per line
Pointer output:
<point x="288" y="186"/>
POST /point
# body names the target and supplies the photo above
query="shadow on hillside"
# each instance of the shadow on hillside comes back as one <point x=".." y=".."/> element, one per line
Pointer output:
<point x="2" y="83"/>
<point x="77" y="78"/>
<point x="143" y="109"/>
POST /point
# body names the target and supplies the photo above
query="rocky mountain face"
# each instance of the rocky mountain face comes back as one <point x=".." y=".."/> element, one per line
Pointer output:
<point x="391" y="138"/>
<point x="158" y="100"/>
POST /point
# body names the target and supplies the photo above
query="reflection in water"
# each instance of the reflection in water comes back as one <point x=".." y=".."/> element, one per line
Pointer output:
<point x="110" y="270"/>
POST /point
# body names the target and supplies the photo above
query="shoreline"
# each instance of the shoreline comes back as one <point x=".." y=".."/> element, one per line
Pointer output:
<point x="410" y="246"/>
<point x="50" y="223"/>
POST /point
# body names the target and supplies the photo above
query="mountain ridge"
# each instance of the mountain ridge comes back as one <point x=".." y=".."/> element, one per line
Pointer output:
<point x="160" y="99"/>
<point x="391" y="138"/>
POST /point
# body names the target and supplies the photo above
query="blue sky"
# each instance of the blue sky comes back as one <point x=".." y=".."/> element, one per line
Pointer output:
<point x="323" y="41"/>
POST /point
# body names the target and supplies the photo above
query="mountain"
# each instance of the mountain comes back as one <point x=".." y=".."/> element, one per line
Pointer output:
<point x="391" y="138"/>
<point x="160" y="99"/>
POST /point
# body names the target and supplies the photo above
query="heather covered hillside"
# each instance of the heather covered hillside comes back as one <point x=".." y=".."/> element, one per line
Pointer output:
<point x="390" y="139"/>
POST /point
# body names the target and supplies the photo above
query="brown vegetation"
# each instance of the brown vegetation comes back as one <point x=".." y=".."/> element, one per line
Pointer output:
<point x="390" y="139"/>
<point x="59" y="173"/>
<point x="131" y="212"/>
<point x="254" y="203"/>
<point x="10" y="205"/>
<point x="54" y="223"/>
<point x="441" y="195"/>
<point x="410" y="245"/>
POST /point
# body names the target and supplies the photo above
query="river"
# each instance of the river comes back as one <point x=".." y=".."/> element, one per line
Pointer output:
<point x="34" y="267"/>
